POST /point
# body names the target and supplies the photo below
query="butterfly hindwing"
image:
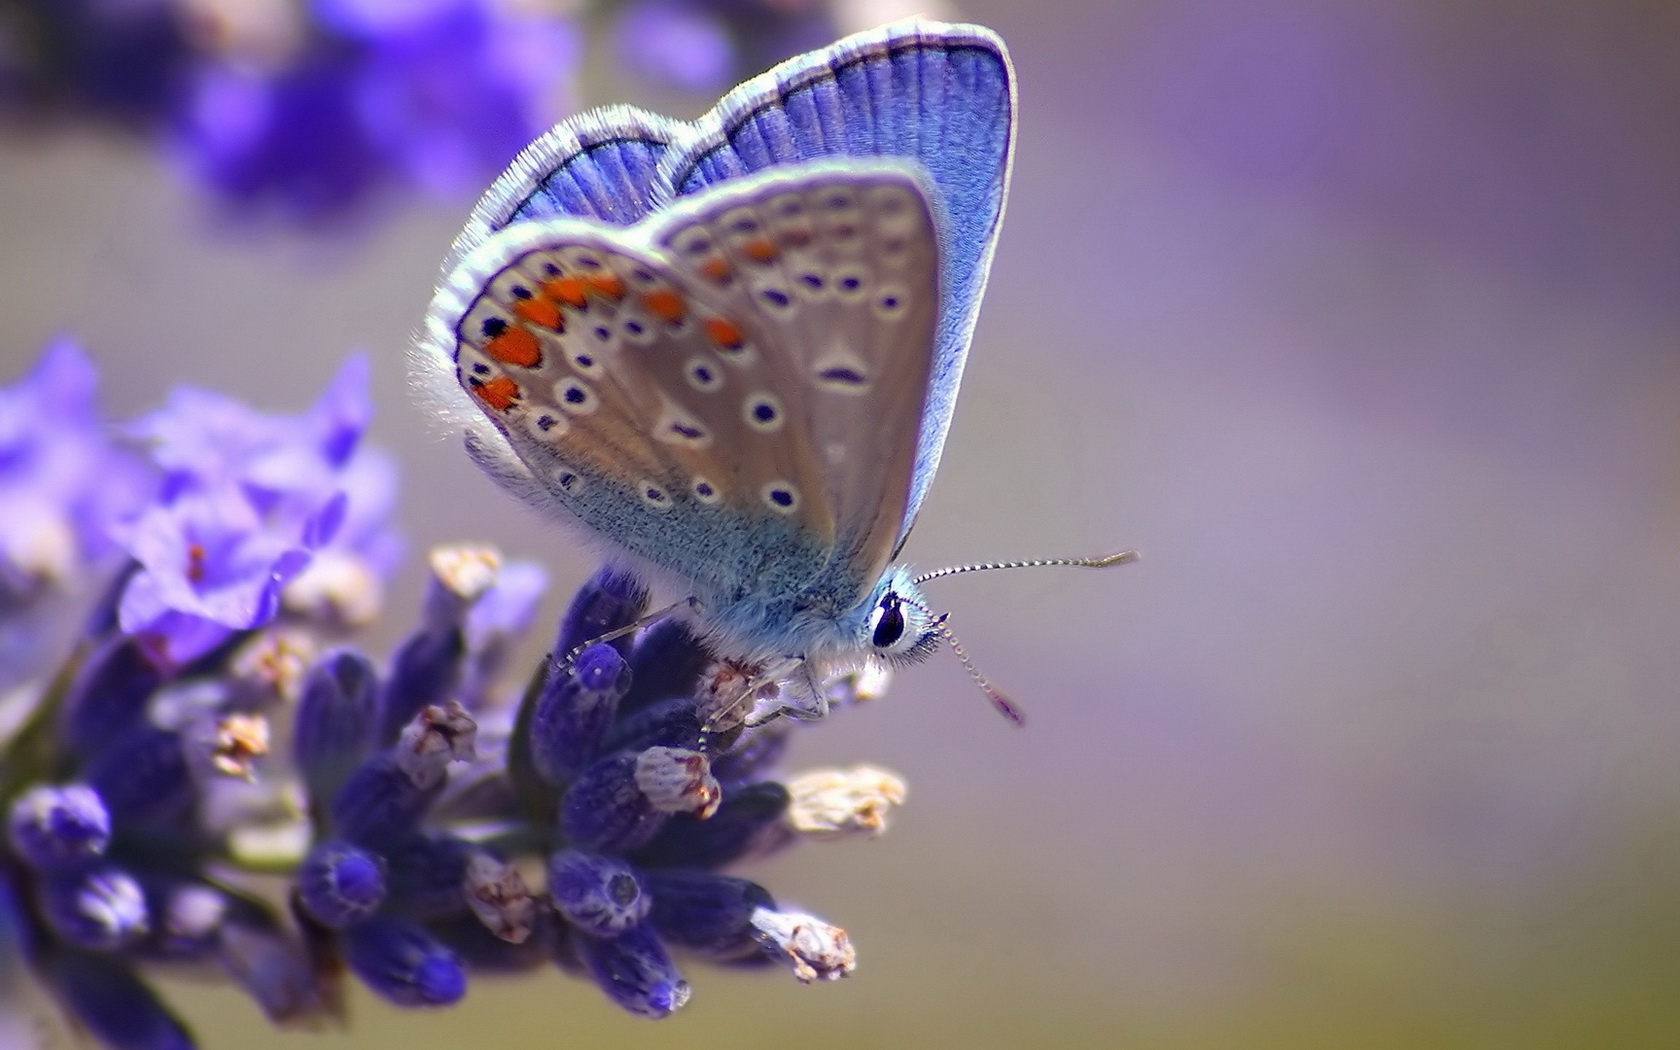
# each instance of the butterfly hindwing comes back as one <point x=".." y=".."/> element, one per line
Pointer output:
<point x="730" y="390"/>
<point x="941" y="95"/>
<point x="834" y="266"/>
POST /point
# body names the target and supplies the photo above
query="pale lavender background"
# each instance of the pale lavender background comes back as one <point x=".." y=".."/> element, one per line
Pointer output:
<point x="1361" y="322"/>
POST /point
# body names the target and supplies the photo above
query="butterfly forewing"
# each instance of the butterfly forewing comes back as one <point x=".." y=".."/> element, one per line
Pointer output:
<point x="731" y="389"/>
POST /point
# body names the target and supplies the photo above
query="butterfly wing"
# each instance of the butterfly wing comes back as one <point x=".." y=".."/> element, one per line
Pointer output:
<point x="598" y="165"/>
<point x="941" y="95"/>
<point x="730" y="390"/>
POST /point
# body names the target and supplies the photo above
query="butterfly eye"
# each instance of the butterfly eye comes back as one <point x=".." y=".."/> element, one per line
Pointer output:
<point x="888" y="622"/>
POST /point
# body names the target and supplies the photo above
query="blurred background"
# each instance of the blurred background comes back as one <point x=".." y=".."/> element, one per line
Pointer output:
<point x="1360" y="320"/>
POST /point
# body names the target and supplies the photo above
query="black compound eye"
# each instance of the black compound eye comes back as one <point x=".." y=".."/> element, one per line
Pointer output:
<point x="889" y="622"/>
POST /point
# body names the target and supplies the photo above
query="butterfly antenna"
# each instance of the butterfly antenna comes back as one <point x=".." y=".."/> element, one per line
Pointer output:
<point x="1118" y="558"/>
<point x="1006" y="707"/>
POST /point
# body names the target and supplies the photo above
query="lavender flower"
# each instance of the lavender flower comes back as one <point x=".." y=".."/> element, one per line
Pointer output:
<point x="434" y="821"/>
<point x="64" y="484"/>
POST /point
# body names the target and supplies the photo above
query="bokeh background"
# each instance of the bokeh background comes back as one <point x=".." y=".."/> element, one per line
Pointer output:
<point x="1361" y="321"/>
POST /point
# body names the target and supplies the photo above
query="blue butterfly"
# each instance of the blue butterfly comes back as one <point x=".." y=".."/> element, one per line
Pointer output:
<point x="732" y="348"/>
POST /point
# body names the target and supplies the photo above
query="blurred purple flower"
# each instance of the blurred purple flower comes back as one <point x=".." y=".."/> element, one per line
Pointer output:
<point x="121" y="59"/>
<point x="439" y="94"/>
<point x="681" y="44"/>
<point x="249" y="499"/>
<point x="63" y="484"/>
<point x="208" y="568"/>
<point x="452" y="97"/>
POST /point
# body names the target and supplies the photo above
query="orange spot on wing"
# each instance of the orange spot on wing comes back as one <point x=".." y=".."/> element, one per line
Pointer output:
<point x="665" y="305"/>
<point x="797" y="238"/>
<point x="716" y="269"/>
<point x="760" y="250"/>
<point x="515" y="346"/>
<point x="569" y="290"/>
<point x="606" y="285"/>
<point x="543" y="311"/>
<point x="499" y="393"/>
<point x="724" y="333"/>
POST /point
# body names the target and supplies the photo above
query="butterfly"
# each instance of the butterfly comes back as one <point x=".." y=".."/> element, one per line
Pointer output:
<point x="732" y="347"/>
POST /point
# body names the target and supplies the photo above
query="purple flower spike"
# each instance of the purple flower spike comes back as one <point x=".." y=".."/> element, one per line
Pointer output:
<point x="636" y="972"/>
<point x="425" y="672"/>
<point x="707" y="913"/>
<point x="105" y="996"/>
<point x="494" y="624"/>
<point x="339" y="884"/>
<point x="605" y="810"/>
<point x="611" y="600"/>
<point x="574" y="710"/>
<point x="333" y="730"/>
<point x="667" y="663"/>
<point x="748" y="822"/>
<point x="404" y="963"/>
<point x="428" y="876"/>
<point x="272" y="967"/>
<point x="599" y="895"/>
<point x="143" y="777"/>
<point x="109" y="693"/>
<point x="381" y="803"/>
<point x="102" y="909"/>
<point x="59" y="828"/>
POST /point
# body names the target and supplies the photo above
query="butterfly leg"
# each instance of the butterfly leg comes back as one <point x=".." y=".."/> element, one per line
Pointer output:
<point x="744" y="699"/>
<point x="629" y="628"/>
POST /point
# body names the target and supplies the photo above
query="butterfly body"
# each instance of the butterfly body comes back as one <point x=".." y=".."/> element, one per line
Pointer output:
<point x="731" y="349"/>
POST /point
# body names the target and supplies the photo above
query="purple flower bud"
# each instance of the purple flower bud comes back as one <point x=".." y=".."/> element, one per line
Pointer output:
<point x="668" y="723"/>
<point x="494" y="624"/>
<point x="425" y="672"/>
<point x="749" y="821"/>
<point x="186" y="919"/>
<point x="144" y="778"/>
<point x="461" y="575"/>
<point x="612" y="599"/>
<point x="635" y="971"/>
<point x="605" y="810"/>
<point x="105" y="996"/>
<point x="706" y="912"/>
<point x="573" y="711"/>
<point x="102" y="908"/>
<point x="403" y="963"/>
<point x="752" y="754"/>
<point x="600" y="895"/>
<point x="427" y="876"/>
<point x="108" y="695"/>
<point x="666" y="664"/>
<point x="339" y="884"/>
<point x="333" y="729"/>
<point x="57" y="828"/>
<point x="272" y="967"/>
<point x="381" y="803"/>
